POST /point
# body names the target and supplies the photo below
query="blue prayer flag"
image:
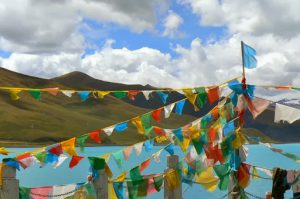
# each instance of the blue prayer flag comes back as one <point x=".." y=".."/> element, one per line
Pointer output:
<point x="228" y="128"/>
<point x="84" y="95"/>
<point x="148" y="145"/>
<point x="163" y="96"/>
<point x="249" y="56"/>
<point x="178" y="134"/>
<point x="170" y="149"/>
<point x="179" y="107"/>
<point x="121" y="127"/>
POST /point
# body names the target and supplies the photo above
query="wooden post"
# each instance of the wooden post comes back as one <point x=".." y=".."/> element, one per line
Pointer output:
<point x="101" y="185"/>
<point x="172" y="163"/>
<point x="233" y="192"/>
<point x="10" y="185"/>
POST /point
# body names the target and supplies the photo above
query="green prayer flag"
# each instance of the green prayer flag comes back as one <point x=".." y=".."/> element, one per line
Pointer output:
<point x="119" y="158"/>
<point x="97" y="163"/>
<point x="36" y="94"/>
<point x="146" y="123"/>
<point x="119" y="94"/>
<point x="24" y="193"/>
<point x="138" y="189"/>
<point x="135" y="174"/>
<point x="202" y="98"/>
<point x="41" y="157"/>
<point x="81" y="140"/>
<point x="223" y="171"/>
<point x="198" y="146"/>
<point x="158" y="182"/>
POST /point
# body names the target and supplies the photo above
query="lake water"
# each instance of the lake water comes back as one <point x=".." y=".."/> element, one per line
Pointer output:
<point x="258" y="155"/>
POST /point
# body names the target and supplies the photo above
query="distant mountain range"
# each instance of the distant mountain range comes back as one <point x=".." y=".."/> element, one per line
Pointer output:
<point x="30" y="122"/>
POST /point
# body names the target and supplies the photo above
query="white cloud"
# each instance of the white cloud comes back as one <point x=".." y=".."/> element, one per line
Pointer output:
<point x="52" y="26"/>
<point x="171" y="24"/>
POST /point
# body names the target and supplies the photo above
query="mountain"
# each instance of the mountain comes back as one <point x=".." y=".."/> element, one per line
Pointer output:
<point x="55" y="118"/>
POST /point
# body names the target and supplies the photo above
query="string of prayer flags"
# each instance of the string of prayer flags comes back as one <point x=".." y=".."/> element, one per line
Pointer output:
<point x="213" y="94"/>
<point x="286" y="113"/>
<point x="156" y="114"/>
<point x="74" y="161"/>
<point x="146" y="123"/>
<point x="119" y="94"/>
<point x="243" y="175"/>
<point x="121" y="127"/>
<point x="97" y="163"/>
<point x="119" y="158"/>
<point x="69" y="146"/>
<point x="14" y="94"/>
<point x="81" y="140"/>
<point x="95" y="136"/>
<point x="179" y="107"/>
<point x="36" y="94"/>
<point x="207" y="179"/>
<point x="168" y="110"/>
<point x="163" y="96"/>
<point x="249" y="53"/>
<point x="222" y="171"/>
<point x="84" y="95"/>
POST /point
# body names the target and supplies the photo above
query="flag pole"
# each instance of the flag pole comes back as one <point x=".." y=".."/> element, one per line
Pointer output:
<point x="242" y="44"/>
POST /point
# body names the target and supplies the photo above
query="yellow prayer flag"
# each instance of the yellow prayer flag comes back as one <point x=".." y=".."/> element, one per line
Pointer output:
<point x="207" y="179"/>
<point x="111" y="191"/>
<point x="121" y="177"/>
<point x="161" y="139"/>
<point x="239" y="140"/>
<point x="185" y="144"/>
<point x="4" y="151"/>
<point x="173" y="179"/>
<point x="194" y="132"/>
<point x="138" y="123"/>
<point x="101" y="94"/>
<point x="191" y="97"/>
<point x="14" y="94"/>
<point x="69" y="146"/>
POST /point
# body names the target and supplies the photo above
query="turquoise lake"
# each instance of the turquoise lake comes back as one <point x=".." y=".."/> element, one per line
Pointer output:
<point x="258" y="155"/>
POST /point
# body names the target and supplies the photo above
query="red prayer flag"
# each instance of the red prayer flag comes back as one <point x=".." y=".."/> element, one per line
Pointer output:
<point x="213" y="94"/>
<point x="74" y="161"/>
<point x="215" y="112"/>
<point x="156" y="114"/>
<point x="144" y="165"/>
<point x="95" y="136"/>
<point x="58" y="150"/>
<point x="243" y="175"/>
<point x="159" y="131"/>
<point x="212" y="134"/>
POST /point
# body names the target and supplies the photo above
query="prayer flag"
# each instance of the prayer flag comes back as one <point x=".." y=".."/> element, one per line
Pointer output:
<point x="36" y="94"/>
<point x="170" y="149"/>
<point x="249" y="53"/>
<point x="57" y="150"/>
<point x="68" y="93"/>
<point x="121" y="127"/>
<point x="158" y="182"/>
<point x="81" y="140"/>
<point x="145" y="164"/>
<point x="213" y="94"/>
<point x="179" y="107"/>
<point x="84" y="95"/>
<point x="132" y="94"/>
<point x="109" y="130"/>
<point x="146" y="123"/>
<point x="138" y="123"/>
<point x="156" y="114"/>
<point x="119" y="158"/>
<point x="146" y="94"/>
<point x="127" y="151"/>
<point x="138" y="148"/>
<point x="168" y="110"/>
<point x="74" y="161"/>
<point x="119" y="94"/>
<point x="69" y="146"/>
<point x="14" y="94"/>
<point x="173" y="179"/>
<point x="97" y="163"/>
<point x="163" y="96"/>
<point x="95" y="136"/>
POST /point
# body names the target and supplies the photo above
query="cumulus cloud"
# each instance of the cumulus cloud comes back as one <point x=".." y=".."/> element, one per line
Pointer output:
<point x="33" y="26"/>
<point x="171" y="24"/>
<point x="257" y="17"/>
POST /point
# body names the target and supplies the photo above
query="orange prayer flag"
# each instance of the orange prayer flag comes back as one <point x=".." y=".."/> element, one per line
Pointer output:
<point x="127" y="151"/>
<point x="69" y="146"/>
<point x="132" y="94"/>
<point x="243" y="175"/>
<point x="156" y="114"/>
<point x="138" y="123"/>
<point x="213" y="94"/>
<point x="95" y="136"/>
<point x="74" y="161"/>
<point x="144" y="165"/>
<point x="52" y="91"/>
